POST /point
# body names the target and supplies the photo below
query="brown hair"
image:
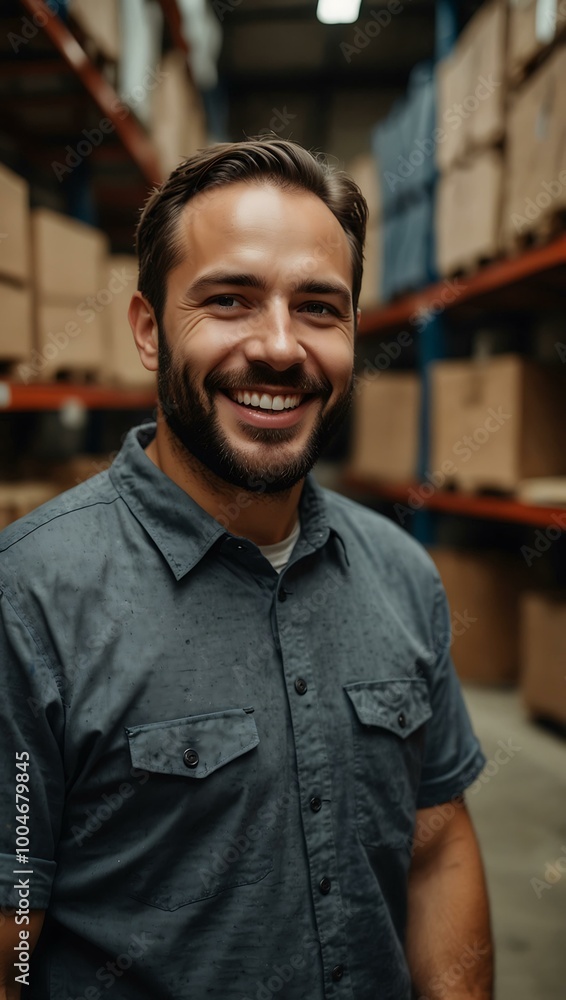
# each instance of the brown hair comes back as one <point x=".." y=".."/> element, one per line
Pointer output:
<point x="280" y="161"/>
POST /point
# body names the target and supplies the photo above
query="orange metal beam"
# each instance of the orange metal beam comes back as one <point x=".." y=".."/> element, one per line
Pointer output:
<point x="463" y="504"/>
<point x="54" y="395"/>
<point x="500" y="274"/>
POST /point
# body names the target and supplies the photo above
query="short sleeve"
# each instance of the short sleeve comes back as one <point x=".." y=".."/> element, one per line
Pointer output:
<point x="32" y="785"/>
<point x="452" y="756"/>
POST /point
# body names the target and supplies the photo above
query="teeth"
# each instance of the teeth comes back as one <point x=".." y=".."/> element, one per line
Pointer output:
<point x="265" y="401"/>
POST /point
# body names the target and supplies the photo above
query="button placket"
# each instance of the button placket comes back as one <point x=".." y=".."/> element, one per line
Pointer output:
<point x="313" y="770"/>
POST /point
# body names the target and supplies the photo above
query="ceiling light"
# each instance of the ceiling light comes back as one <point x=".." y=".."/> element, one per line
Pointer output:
<point x="338" y="11"/>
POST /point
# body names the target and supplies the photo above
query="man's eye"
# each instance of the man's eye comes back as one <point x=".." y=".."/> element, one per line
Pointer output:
<point x="319" y="309"/>
<point x="225" y="301"/>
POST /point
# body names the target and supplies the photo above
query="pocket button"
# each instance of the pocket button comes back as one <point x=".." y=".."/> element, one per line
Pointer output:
<point x="402" y="720"/>
<point x="191" y="758"/>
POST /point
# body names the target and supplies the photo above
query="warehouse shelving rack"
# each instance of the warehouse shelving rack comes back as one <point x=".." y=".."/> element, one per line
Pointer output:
<point x="130" y="152"/>
<point x="516" y="283"/>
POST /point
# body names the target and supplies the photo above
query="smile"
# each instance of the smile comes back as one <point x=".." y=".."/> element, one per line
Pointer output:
<point x="265" y="401"/>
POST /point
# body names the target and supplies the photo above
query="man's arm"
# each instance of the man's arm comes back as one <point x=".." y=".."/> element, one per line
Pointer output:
<point x="449" y="944"/>
<point x="9" y="938"/>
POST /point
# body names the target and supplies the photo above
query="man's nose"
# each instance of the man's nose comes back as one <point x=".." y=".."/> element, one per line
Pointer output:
<point x="274" y="338"/>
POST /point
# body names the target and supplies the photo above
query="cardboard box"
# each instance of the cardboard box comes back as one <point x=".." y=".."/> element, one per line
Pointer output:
<point x="468" y="213"/>
<point x="543" y="654"/>
<point x="535" y="170"/>
<point x="178" y="124"/>
<point x="16" y="328"/>
<point x="19" y="499"/>
<point x="15" y="250"/>
<point x="122" y="361"/>
<point x="497" y="421"/>
<point x="370" y="294"/>
<point x="363" y="170"/>
<point x="386" y="426"/>
<point x="68" y="256"/>
<point x="100" y="22"/>
<point x="486" y="36"/>
<point x="533" y="26"/>
<point x="483" y="590"/>
<point x="471" y="87"/>
<point x="68" y="338"/>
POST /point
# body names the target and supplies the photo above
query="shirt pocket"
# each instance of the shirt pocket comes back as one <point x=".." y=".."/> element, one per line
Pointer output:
<point x="201" y="796"/>
<point x="388" y="722"/>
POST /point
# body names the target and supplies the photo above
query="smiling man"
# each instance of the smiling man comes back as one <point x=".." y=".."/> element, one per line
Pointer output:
<point x="230" y="716"/>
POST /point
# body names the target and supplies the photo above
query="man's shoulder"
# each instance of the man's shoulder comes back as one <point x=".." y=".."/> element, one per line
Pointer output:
<point x="61" y="522"/>
<point x="374" y="535"/>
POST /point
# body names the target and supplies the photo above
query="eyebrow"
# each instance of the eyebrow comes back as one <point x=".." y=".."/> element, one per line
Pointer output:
<point x="237" y="280"/>
<point x="214" y="278"/>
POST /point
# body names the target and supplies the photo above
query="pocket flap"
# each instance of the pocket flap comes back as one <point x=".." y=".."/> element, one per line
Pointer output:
<point x="193" y="747"/>
<point x="398" y="705"/>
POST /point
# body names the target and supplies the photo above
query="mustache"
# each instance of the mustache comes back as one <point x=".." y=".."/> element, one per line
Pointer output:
<point x="260" y="375"/>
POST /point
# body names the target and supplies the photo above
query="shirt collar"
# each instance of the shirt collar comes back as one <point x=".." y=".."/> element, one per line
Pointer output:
<point x="182" y="531"/>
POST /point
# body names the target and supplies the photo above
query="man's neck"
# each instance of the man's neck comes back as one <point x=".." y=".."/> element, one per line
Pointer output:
<point x="265" y="518"/>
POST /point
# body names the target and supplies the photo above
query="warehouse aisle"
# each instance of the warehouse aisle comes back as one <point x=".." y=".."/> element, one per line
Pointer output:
<point x="519" y="810"/>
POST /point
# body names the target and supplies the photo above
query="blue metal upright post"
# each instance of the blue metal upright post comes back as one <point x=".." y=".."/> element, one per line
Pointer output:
<point x="431" y="344"/>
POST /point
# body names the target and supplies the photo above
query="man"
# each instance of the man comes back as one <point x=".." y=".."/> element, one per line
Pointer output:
<point x="229" y="691"/>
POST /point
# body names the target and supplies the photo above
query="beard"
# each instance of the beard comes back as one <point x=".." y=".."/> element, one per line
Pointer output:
<point x="191" y="416"/>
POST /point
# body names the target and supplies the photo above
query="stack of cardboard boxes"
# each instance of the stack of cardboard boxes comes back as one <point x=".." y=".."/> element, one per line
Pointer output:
<point x="470" y="130"/>
<point x="64" y="299"/>
<point x="15" y="269"/>
<point x="68" y="259"/>
<point x="535" y="188"/>
<point x="364" y="172"/>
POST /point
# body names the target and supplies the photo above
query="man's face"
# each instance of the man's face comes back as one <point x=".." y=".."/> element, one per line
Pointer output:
<point x="256" y="350"/>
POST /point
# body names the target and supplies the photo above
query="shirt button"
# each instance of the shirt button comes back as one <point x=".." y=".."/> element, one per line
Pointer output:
<point x="337" y="973"/>
<point x="301" y="686"/>
<point x="282" y="594"/>
<point x="315" y="804"/>
<point x="402" y="720"/>
<point x="325" y="885"/>
<point x="190" y="758"/>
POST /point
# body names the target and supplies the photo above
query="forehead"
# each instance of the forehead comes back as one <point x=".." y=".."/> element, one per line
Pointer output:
<point x="259" y="223"/>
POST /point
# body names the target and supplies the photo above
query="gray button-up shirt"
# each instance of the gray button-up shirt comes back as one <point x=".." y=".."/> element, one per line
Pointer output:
<point x="223" y="764"/>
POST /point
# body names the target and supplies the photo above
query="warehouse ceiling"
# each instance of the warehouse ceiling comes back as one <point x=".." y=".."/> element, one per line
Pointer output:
<point x="281" y="70"/>
<point x="325" y="85"/>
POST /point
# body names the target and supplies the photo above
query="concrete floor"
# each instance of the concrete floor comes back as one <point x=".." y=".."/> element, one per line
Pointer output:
<point x="519" y="811"/>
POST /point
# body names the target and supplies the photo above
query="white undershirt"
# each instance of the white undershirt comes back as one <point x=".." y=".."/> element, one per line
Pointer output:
<point x="280" y="553"/>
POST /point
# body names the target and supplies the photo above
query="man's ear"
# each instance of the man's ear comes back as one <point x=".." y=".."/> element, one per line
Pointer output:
<point x="144" y="328"/>
<point x="358" y="317"/>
